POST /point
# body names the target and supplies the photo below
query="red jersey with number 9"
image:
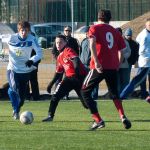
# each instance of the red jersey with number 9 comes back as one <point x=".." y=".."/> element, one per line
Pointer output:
<point x="108" y="42"/>
<point x="64" y="63"/>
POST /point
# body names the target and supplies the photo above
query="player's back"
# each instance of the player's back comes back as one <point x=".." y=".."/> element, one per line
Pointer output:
<point x="108" y="42"/>
<point x="106" y="36"/>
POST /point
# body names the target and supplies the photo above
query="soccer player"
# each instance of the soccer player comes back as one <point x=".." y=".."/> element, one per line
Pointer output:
<point x="106" y="43"/>
<point x="69" y="63"/>
<point x="21" y="64"/>
<point x="143" y="39"/>
<point x="72" y="43"/>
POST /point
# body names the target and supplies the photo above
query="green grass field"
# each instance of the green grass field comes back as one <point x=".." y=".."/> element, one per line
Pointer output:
<point x="69" y="130"/>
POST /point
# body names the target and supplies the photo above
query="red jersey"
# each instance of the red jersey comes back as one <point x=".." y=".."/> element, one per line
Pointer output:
<point x="64" y="63"/>
<point x="108" y="42"/>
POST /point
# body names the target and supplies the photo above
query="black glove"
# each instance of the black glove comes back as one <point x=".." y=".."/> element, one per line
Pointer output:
<point x="49" y="88"/>
<point x="29" y="63"/>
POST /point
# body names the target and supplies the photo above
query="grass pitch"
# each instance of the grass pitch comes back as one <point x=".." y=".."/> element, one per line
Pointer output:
<point x="69" y="130"/>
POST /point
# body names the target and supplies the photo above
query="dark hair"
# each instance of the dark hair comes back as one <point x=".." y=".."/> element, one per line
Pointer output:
<point x="62" y="37"/>
<point x="68" y="27"/>
<point x="104" y="15"/>
<point x="23" y="24"/>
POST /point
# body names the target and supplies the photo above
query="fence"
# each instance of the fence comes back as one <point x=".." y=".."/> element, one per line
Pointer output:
<point x="11" y="11"/>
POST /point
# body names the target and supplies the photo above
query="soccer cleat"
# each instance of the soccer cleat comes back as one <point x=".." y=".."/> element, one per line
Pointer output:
<point x="148" y="99"/>
<point x="98" y="125"/>
<point x="48" y="119"/>
<point x="16" y="116"/>
<point x="126" y="122"/>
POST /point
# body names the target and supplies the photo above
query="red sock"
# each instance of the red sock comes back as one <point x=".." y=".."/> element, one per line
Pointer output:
<point x="118" y="104"/>
<point x="96" y="117"/>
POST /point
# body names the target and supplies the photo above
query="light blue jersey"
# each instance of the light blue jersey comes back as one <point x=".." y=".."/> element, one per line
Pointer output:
<point x="20" y="52"/>
<point x="144" y="48"/>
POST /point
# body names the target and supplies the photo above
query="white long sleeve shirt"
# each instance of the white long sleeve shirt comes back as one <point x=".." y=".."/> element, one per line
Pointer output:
<point x="20" y="52"/>
<point x="144" y="48"/>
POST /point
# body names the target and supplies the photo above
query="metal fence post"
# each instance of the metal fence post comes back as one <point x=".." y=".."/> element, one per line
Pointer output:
<point x="72" y="16"/>
<point x="118" y="9"/>
<point x="129" y="4"/>
<point x="87" y="12"/>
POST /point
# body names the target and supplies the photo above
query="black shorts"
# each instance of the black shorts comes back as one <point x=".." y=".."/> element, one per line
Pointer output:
<point x="94" y="78"/>
<point x="68" y="84"/>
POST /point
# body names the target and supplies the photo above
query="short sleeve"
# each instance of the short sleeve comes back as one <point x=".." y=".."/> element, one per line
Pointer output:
<point x="91" y="32"/>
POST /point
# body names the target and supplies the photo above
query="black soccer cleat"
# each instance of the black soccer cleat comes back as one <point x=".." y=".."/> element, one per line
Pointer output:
<point x="98" y="125"/>
<point x="48" y="119"/>
<point x="126" y="122"/>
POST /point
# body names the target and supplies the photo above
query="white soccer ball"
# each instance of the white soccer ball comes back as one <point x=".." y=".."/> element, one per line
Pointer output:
<point x="26" y="117"/>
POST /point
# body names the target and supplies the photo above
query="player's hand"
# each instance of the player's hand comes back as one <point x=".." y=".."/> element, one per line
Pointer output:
<point x="29" y="63"/>
<point x="49" y="88"/>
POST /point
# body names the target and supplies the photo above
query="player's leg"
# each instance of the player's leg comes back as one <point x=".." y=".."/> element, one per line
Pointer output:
<point x="28" y="94"/>
<point x="135" y="82"/>
<point x="111" y="81"/>
<point x="93" y="78"/>
<point x="61" y="90"/>
<point x="23" y="79"/>
<point x="95" y="92"/>
<point x="13" y="92"/>
<point x="77" y="84"/>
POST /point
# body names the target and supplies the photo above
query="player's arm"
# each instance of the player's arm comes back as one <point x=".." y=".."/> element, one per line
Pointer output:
<point x="38" y="50"/>
<point x="76" y="63"/>
<point x="92" y="41"/>
<point x="38" y="53"/>
<point x="55" y="78"/>
<point x="59" y="72"/>
<point x="121" y="56"/>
